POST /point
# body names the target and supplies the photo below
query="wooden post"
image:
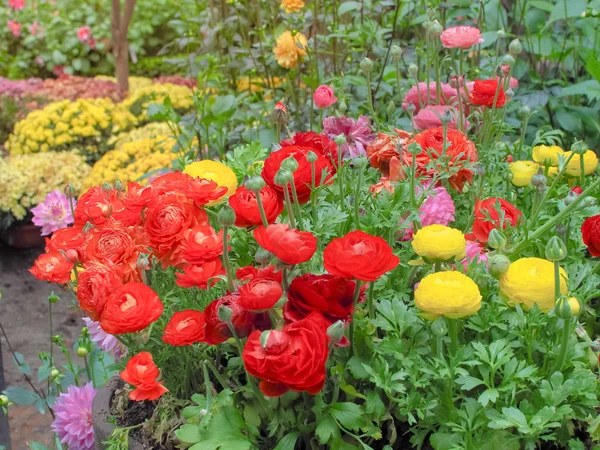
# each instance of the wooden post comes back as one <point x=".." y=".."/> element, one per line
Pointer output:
<point x="4" y="430"/>
<point x="120" y="26"/>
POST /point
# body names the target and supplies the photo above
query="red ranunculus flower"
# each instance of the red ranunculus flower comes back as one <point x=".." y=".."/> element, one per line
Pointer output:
<point x="200" y="244"/>
<point x="204" y="191"/>
<point x="294" y="358"/>
<point x="324" y="169"/>
<point x="591" y="234"/>
<point x="246" y="209"/>
<point x="200" y="275"/>
<point x="315" y="141"/>
<point x="289" y="245"/>
<point x="70" y="240"/>
<point x="250" y="272"/>
<point x="130" y="308"/>
<point x="488" y="214"/>
<point x="483" y="93"/>
<point x="460" y="152"/>
<point x="96" y="283"/>
<point x="142" y="374"/>
<point x="360" y="256"/>
<point x="169" y="183"/>
<point x="260" y="294"/>
<point x="98" y="207"/>
<point x="52" y="266"/>
<point x="328" y="294"/>
<point x="243" y="320"/>
<point x="185" y="328"/>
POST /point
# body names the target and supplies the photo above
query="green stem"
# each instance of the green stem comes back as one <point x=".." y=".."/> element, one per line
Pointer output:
<point x="261" y="209"/>
<point x="582" y="168"/>
<point x="564" y="346"/>
<point x="557" y="292"/>
<point x="370" y="304"/>
<point x="226" y="262"/>
<point x="313" y="194"/>
<point x="453" y="327"/>
<point x="296" y="204"/>
<point x="353" y="322"/>
<point x="357" y="191"/>
<point x="208" y="386"/>
<point x="288" y="205"/>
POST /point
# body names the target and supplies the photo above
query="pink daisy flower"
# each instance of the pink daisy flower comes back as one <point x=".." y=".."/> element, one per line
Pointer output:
<point x="16" y="4"/>
<point x="73" y="421"/>
<point x="84" y="33"/>
<point x="53" y="213"/>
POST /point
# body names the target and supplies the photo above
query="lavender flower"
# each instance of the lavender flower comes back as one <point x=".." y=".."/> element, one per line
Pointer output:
<point x="73" y="421"/>
<point x="357" y="132"/>
<point x="105" y="342"/>
<point x="53" y="213"/>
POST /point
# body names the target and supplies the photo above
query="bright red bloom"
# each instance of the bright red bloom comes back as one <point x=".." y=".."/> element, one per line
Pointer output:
<point x="289" y="245"/>
<point x="171" y="183"/>
<point x="246" y="209"/>
<point x="360" y="256"/>
<point x="460" y="152"/>
<point x="483" y="93"/>
<point x="328" y="294"/>
<point x="590" y="231"/>
<point x="493" y="213"/>
<point x="243" y="320"/>
<point x="52" y="266"/>
<point x="294" y="358"/>
<point x="142" y="374"/>
<point x="316" y="142"/>
<point x="131" y="308"/>
<point x="577" y="190"/>
<point x="204" y="191"/>
<point x="250" y="272"/>
<point x="95" y="284"/>
<point x="201" y="275"/>
<point x="70" y="240"/>
<point x="260" y="294"/>
<point x="96" y="206"/>
<point x="201" y="244"/>
<point x="185" y="328"/>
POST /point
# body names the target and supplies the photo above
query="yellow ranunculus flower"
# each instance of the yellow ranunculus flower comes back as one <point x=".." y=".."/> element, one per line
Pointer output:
<point x="449" y="294"/>
<point x="214" y="171"/>
<point x="439" y="243"/>
<point x="290" y="49"/>
<point x="547" y="154"/>
<point x="529" y="281"/>
<point x="522" y="172"/>
<point x="590" y="162"/>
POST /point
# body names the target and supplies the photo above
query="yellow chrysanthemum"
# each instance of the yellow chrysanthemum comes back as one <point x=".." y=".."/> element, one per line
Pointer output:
<point x="449" y="294"/>
<point x="214" y="171"/>
<point x="547" y="154"/>
<point x="530" y="281"/>
<point x="138" y="100"/>
<point x="290" y="49"/>
<point x="291" y="6"/>
<point x="590" y="162"/>
<point x="439" y="243"/>
<point x="522" y="172"/>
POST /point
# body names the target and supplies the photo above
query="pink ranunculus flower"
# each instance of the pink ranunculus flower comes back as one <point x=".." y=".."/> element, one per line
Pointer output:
<point x="428" y="96"/>
<point x="73" y="417"/>
<point x="513" y="83"/>
<point x="324" y="97"/>
<point x="358" y="134"/>
<point x="33" y="28"/>
<point x="14" y="27"/>
<point x="437" y="208"/>
<point x="53" y="213"/>
<point x="475" y="252"/>
<point x="431" y="117"/>
<point x="16" y="4"/>
<point x="461" y="37"/>
<point x="84" y="33"/>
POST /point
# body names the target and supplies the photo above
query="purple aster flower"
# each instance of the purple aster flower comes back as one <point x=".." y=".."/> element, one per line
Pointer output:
<point x="53" y="213"/>
<point x="358" y="134"/>
<point x="437" y="208"/>
<point x="73" y="421"/>
<point x="105" y="342"/>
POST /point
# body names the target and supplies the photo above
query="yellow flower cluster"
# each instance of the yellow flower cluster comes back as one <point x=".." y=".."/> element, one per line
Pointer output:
<point x="135" y="83"/>
<point x="25" y="180"/>
<point x="148" y="131"/>
<point x="138" y="100"/>
<point x="132" y="160"/>
<point x="82" y="125"/>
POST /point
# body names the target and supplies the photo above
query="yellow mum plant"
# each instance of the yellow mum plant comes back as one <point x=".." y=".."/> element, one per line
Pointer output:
<point x="449" y="294"/>
<point x="530" y="281"/>
<point x="132" y="160"/>
<point x="439" y="243"/>
<point x="214" y="171"/>
<point x="148" y="131"/>
<point x="25" y="180"/>
<point x="135" y="83"/>
<point x="84" y="125"/>
<point x="138" y="100"/>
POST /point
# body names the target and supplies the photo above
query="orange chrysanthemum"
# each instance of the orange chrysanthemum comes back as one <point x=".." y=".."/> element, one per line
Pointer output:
<point x="291" y="6"/>
<point x="290" y="49"/>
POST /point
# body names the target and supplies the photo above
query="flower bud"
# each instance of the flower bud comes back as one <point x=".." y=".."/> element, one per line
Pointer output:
<point x="524" y="111"/>
<point x="143" y="262"/>
<point x="499" y="72"/>
<point x="54" y="373"/>
<point x="509" y="93"/>
<point x="82" y="352"/>
<point x="501" y="33"/>
<point x="283" y="177"/>
<point x="226" y="216"/>
<point x="479" y="169"/>
<point x="53" y="298"/>
<point x="574" y="305"/>
<point x="106" y="187"/>
<point x="413" y="70"/>
<point x="508" y="60"/>
<point x="366" y="65"/>
<point x="498" y="264"/>
<point x="562" y="308"/>
<point x="274" y="341"/>
<point x="391" y="108"/>
<point x="311" y="156"/>
<point x="431" y="13"/>
<point x="439" y="327"/>
<point x="336" y="331"/>
<point x="579" y="147"/>
<point x="538" y="180"/>
<point x="446" y="117"/>
<point x="570" y="198"/>
<point x="515" y="47"/>
<point x="556" y="250"/>
<point x="496" y="239"/>
<point x="340" y="139"/>
<point x="279" y="114"/>
<point x="290" y="164"/>
<point x="119" y="186"/>
<point x="436" y="28"/>
<point x="85" y="331"/>
<point x="262" y="256"/>
<point x="396" y="52"/>
<point x="224" y="314"/>
<point x="411" y="108"/>
<point x="87" y="227"/>
<point x="342" y="107"/>
<point x="590" y="201"/>
<point x="255" y="184"/>
<point x="70" y="191"/>
<point x="414" y="148"/>
<point x="3" y="400"/>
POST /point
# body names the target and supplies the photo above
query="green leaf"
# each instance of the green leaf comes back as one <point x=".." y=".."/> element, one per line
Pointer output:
<point x="223" y="104"/>
<point x="565" y="11"/>
<point x="349" y="415"/>
<point x="326" y="429"/>
<point x="374" y="404"/>
<point x="188" y="434"/>
<point x="592" y="65"/>
<point x="348" y="6"/>
<point x="21" y="396"/>
<point x="288" y="442"/>
<point x="22" y="366"/>
<point x="468" y="382"/>
<point x="58" y="57"/>
<point x="444" y="441"/>
<point x="543" y="5"/>
<point x="489" y="395"/>
<point x="37" y="446"/>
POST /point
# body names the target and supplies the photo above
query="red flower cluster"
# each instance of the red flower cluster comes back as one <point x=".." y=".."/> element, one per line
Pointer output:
<point x="493" y="213"/>
<point x="484" y="92"/>
<point x="142" y="374"/>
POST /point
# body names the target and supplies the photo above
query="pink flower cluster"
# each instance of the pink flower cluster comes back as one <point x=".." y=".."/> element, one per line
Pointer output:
<point x="437" y="208"/>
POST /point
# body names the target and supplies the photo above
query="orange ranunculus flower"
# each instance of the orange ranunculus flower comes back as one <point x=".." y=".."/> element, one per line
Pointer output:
<point x="142" y="374"/>
<point x="290" y="49"/>
<point x="384" y="148"/>
<point x="95" y="284"/>
<point x="52" y="266"/>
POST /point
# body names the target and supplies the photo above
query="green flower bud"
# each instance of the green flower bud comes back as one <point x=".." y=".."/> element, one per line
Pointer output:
<point x="255" y="184"/>
<point x="336" y="332"/>
<point x="515" y="47"/>
<point x="87" y="227"/>
<point x="508" y="60"/>
<point x="436" y="28"/>
<point x="3" y="400"/>
<point x="143" y="262"/>
<point x="283" y="177"/>
<point x="106" y="187"/>
<point x="366" y="65"/>
<point x="224" y="314"/>
<point x="574" y="305"/>
<point x="414" y="148"/>
<point x="501" y="33"/>
<point x="524" y="111"/>
<point x="579" y="147"/>
<point x="262" y="256"/>
<point x="82" y="352"/>
<point x="413" y="69"/>
<point x="54" y="373"/>
<point x="290" y="164"/>
<point x="439" y="327"/>
<point x="446" y="117"/>
<point x="498" y="264"/>
<point x="342" y="107"/>
<point x="119" y="186"/>
<point x="53" y="298"/>
<point x="311" y="156"/>
<point x="340" y="139"/>
<point x="570" y="198"/>
<point x="538" y="180"/>
<point x="562" y="308"/>
<point x="590" y="201"/>
<point x="411" y="108"/>
<point x="70" y="191"/>
<point x="496" y="239"/>
<point x="509" y="93"/>
<point x="226" y="216"/>
<point x="556" y="250"/>
<point x="391" y="108"/>
<point x="479" y="169"/>
<point x="396" y="52"/>
<point x="85" y="331"/>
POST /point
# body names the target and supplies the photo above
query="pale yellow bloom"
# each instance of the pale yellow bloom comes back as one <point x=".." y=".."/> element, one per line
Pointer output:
<point x="291" y="6"/>
<point x="590" y="162"/>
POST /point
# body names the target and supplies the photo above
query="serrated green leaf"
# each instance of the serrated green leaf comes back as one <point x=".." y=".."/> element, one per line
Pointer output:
<point x="326" y="429"/>
<point x="288" y="442"/>
<point x="349" y="415"/>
